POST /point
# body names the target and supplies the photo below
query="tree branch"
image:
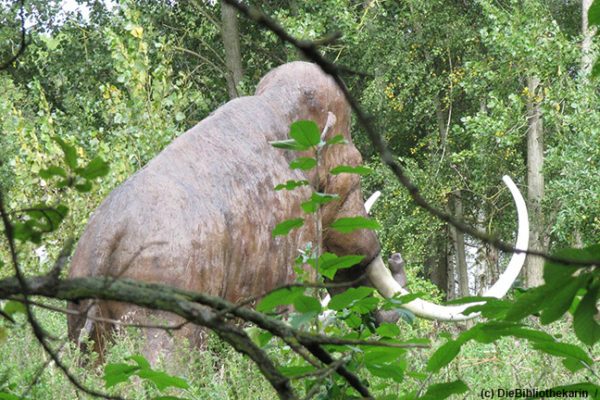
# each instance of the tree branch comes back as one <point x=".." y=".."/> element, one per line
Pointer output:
<point x="7" y="63"/>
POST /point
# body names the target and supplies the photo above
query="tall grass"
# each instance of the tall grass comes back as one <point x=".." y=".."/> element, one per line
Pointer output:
<point x="218" y="372"/>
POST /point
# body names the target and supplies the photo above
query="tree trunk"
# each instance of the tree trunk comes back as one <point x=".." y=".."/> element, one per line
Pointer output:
<point x="458" y="238"/>
<point x="535" y="181"/>
<point x="436" y="266"/>
<point x="450" y="267"/>
<point x="231" y="42"/>
<point x="588" y="34"/>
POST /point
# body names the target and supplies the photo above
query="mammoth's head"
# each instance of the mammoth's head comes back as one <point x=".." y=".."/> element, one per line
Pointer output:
<point x="302" y="91"/>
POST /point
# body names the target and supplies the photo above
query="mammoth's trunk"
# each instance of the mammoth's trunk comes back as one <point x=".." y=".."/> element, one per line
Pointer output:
<point x="383" y="281"/>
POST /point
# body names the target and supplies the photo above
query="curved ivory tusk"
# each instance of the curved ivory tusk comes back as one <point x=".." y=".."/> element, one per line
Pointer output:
<point x="371" y="200"/>
<point x="382" y="279"/>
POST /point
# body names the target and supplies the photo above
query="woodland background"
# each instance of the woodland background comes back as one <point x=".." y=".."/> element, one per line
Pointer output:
<point x="460" y="90"/>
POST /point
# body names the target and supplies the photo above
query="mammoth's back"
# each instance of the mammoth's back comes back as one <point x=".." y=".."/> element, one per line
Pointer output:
<point x="199" y="216"/>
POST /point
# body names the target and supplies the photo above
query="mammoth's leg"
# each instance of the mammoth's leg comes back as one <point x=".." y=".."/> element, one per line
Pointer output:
<point x="85" y="323"/>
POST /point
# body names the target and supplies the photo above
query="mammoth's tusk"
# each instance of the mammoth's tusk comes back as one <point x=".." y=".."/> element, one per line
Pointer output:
<point x="371" y="200"/>
<point x="383" y="281"/>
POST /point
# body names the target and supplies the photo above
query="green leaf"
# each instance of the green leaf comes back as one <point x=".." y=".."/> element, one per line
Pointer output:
<point x="13" y="307"/>
<point x="264" y="338"/>
<point x="307" y="304"/>
<point x="559" y="273"/>
<point x="493" y="308"/>
<point x="350" y="296"/>
<point x="296" y="320"/>
<point x="289" y="144"/>
<point x="69" y="152"/>
<point x="594" y="14"/>
<point x="140" y="360"/>
<point x="441" y="391"/>
<point x="443" y="355"/>
<point x="3" y="335"/>
<point x="95" y="168"/>
<point x="528" y="303"/>
<point x="84" y="187"/>
<point x="388" y="330"/>
<point x="296" y="370"/>
<point x="309" y="207"/>
<point x="279" y="297"/>
<point x="359" y="169"/>
<point x="563" y="299"/>
<point x="596" y="69"/>
<point x="531" y="335"/>
<point x="8" y="396"/>
<point x="380" y="354"/>
<point x="161" y="379"/>
<point x="117" y="373"/>
<point x="365" y="306"/>
<point x="584" y="324"/>
<point x="52" y="171"/>
<point x="337" y="139"/>
<point x="283" y="228"/>
<point x="291" y="185"/>
<point x="350" y="224"/>
<point x="563" y="350"/>
<point x="303" y="163"/>
<point x="329" y="263"/>
<point x="306" y="133"/>
<point x="394" y="371"/>
<point x="323" y="198"/>
<point x="572" y="364"/>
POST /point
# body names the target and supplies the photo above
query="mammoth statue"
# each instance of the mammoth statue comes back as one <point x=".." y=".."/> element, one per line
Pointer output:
<point x="199" y="216"/>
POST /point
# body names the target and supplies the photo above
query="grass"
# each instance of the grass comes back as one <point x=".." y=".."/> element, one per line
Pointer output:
<point x="218" y="372"/>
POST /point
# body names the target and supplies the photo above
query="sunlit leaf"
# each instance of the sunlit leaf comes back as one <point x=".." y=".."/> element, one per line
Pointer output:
<point x="359" y="169"/>
<point x="117" y="373"/>
<point x="350" y="224"/>
<point x="279" y="297"/>
<point x="291" y="185"/>
<point x="283" y="228"/>
<point x="347" y="298"/>
<point x="288" y="144"/>
<point x="307" y="304"/>
<point x="329" y="263"/>
<point x="388" y="330"/>
<point x="306" y="133"/>
<point x="303" y="163"/>
<point x="161" y="379"/>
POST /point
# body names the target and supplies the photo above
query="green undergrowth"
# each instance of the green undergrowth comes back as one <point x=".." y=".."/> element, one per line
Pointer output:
<point x="218" y="372"/>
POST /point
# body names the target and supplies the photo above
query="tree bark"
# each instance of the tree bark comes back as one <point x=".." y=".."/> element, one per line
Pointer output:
<point x="231" y="42"/>
<point x="588" y="34"/>
<point x="534" y="266"/>
<point x="459" y="247"/>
